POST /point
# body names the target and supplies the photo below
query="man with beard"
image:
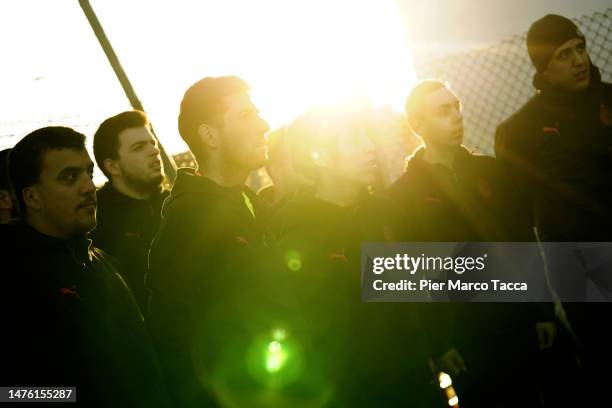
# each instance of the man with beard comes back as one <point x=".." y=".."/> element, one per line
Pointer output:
<point x="129" y="204"/>
<point x="210" y="294"/>
<point x="70" y="318"/>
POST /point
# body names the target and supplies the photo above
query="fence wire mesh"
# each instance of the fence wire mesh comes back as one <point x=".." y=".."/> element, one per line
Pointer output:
<point x="494" y="82"/>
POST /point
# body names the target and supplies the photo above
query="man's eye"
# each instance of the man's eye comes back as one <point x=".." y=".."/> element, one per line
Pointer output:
<point x="70" y="177"/>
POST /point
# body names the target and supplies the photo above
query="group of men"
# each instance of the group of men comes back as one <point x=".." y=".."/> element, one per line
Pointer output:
<point x="213" y="295"/>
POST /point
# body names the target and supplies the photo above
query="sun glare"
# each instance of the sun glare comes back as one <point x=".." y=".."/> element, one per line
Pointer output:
<point x="294" y="54"/>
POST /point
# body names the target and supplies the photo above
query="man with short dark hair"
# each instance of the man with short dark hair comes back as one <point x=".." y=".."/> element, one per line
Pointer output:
<point x="450" y="194"/>
<point x="209" y="290"/>
<point x="129" y="204"/>
<point x="72" y="319"/>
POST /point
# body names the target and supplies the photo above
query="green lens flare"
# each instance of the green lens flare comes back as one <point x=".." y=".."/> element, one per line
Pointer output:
<point x="275" y="357"/>
<point x="293" y="259"/>
<point x="279" y="334"/>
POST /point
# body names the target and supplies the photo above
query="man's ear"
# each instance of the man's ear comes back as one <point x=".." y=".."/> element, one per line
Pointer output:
<point x="208" y="135"/>
<point x="31" y="198"/>
<point x="112" y="167"/>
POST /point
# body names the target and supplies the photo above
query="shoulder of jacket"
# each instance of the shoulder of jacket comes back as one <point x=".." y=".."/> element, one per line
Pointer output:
<point x="521" y="117"/>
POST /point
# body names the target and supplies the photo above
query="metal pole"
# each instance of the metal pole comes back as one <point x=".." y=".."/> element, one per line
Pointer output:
<point x="169" y="165"/>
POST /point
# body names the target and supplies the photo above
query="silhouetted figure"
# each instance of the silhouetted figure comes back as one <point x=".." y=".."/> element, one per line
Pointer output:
<point x="560" y="146"/>
<point x="350" y="343"/>
<point x="209" y="264"/>
<point x="449" y="194"/>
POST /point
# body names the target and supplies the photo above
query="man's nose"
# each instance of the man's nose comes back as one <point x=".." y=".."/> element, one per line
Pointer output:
<point x="88" y="186"/>
<point x="457" y="115"/>
<point x="154" y="150"/>
<point x="580" y="58"/>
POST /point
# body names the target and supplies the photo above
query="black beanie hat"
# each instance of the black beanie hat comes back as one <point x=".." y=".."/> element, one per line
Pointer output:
<point x="546" y="35"/>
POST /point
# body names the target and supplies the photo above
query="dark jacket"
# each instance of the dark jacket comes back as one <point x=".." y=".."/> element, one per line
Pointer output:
<point x="560" y="144"/>
<point x="473" y="201"/>
<point x="560" y="147"/>
<point x="71" y="321"/>
<point x="364" y="353"/>
<point x="125" y="229"/>
<point x="212" y="294"/>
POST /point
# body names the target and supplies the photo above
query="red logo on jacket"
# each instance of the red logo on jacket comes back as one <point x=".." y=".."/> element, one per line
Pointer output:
<point x="69" y="292"/>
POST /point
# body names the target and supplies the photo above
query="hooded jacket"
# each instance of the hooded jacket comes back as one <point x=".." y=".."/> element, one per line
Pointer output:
<point x="125" y="229"/>
<point x="559" y="146"/>
<point x="212" y="292"/>
<point x="363" y="352"/>
<point x="469" y="203"/>
<point x="473" y="201"/>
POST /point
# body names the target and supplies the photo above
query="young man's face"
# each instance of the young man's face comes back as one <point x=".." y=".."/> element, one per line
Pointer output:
<point x="570" y="67"/>
<point x="65" y="193"/>
<point x="354" y="157"/>
<point x="139" y="160"/>
<point x="242" y="143"/>
<point x="441" y="119"/>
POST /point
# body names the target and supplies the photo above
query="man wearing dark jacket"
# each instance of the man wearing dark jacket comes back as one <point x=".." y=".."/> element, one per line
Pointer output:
<point x="70" y="318"/>
<point x="560" y="142"/>
<point x="361" y="353"/>
<point x="452" y="195"/>
<point x="560" y="146"/>
<point x="210" y="295"/>
<point x="129" y="204"/>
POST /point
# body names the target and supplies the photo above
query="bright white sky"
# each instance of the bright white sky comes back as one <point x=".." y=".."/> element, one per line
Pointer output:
<point x="294" y="54"/>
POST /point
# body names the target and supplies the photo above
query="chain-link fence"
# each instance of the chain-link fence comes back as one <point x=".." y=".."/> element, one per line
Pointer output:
<point x="495" y="82"/>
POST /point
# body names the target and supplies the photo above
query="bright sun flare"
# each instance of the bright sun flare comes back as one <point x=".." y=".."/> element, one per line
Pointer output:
<point x="294" y="54"/>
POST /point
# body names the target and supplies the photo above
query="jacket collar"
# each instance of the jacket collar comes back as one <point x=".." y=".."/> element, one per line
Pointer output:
<point x="189" y="182"/>
<point x="79" y="246"/>
<point x="417" y="159"/>
<point x="109" y="193"/>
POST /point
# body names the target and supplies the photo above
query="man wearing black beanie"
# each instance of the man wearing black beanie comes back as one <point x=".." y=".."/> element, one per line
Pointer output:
<point x="559" y="147"/>
<point x="559" y="142"/>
